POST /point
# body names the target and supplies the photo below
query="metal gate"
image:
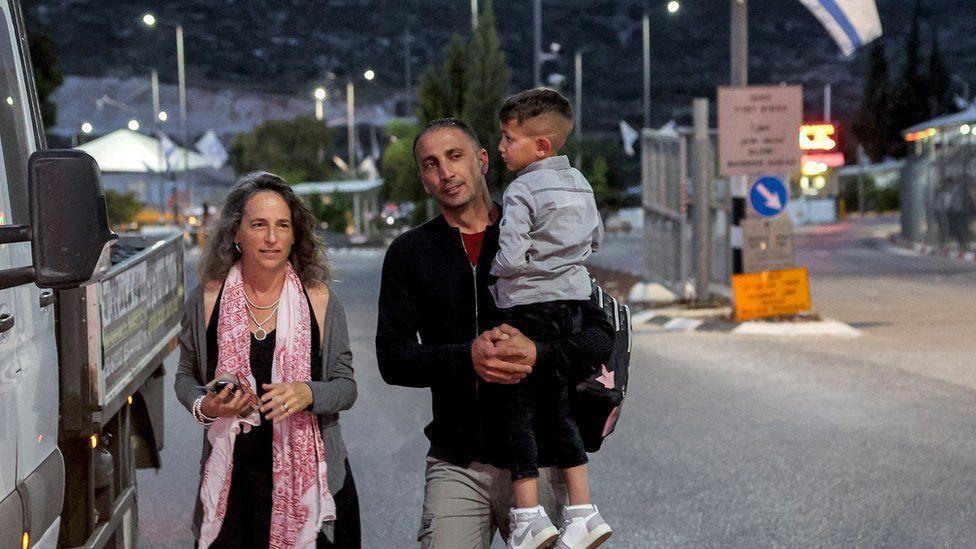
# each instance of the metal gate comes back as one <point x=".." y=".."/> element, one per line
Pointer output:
<point x="668" y="224"/>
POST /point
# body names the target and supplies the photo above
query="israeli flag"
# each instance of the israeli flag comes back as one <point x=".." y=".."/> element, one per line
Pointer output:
<point x="852" y="23"/>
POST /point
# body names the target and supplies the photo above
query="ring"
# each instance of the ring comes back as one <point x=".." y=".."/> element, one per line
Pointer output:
<point x="285" y="406"/>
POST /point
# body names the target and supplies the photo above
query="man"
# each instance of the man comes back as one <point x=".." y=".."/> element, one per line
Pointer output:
<point x="434" y="303"/>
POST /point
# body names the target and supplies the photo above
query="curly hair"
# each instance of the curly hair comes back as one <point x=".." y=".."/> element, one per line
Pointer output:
<point x="307" y="255"/>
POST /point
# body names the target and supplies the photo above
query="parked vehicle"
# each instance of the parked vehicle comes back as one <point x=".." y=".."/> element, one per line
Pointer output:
<point x="86" y="319"/>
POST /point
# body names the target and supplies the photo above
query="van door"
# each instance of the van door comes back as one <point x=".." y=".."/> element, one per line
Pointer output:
<point x="39" y="466"/>
<point x="11" y="512"/>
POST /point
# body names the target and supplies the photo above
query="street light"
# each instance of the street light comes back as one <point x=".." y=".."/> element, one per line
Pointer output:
<point x="672" y="8"/>
<point x="163" y="117"/>
<point x="369" y="74"/>
<point x="86" y="128"/>
<point x="319" y="94"/>
<point x="133" y="125"/>
<point x="151" y="21"/>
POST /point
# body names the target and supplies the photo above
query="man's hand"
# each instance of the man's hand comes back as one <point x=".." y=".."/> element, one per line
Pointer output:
<point x="511" y="339"/>
<point x="496" y="360"/>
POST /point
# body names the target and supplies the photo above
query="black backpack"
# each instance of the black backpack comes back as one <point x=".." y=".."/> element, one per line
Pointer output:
<point x="596" y="402"/>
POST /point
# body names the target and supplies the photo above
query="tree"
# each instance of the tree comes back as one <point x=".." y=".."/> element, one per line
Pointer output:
<point x="47" y="76"/>
<point x="442" y="91"/>
<point x="940" y="98"/>
<point x="909" y="104"/>
<point x="334" y="210"/>
<point x="873" y="125"/>
<point x="297" y="150"/>
<point x="397" y="165"/>
<point x="488" y="78"/>
<point x="597" y="161"/>
<point x="122" y="207"/>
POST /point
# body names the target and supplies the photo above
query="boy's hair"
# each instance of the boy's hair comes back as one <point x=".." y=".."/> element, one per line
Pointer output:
<point x="540" y="102"/>
<point x="439" y="123"/>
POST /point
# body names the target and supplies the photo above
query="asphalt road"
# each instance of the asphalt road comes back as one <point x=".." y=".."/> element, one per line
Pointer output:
<point x="725" y="441"/>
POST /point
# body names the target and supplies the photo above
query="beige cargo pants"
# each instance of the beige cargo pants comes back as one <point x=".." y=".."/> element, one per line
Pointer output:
<point x="465" y="506"/>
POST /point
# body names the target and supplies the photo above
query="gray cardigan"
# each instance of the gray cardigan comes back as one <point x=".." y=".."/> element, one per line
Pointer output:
<point x="335" y="393"/>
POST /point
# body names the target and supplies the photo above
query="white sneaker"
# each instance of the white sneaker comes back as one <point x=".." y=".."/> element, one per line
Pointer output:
<point x="583" y="528"/>
<point x="530" y="528"/>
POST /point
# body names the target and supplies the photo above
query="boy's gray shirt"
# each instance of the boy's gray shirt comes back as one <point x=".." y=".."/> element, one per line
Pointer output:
<point x="549" y="227"/>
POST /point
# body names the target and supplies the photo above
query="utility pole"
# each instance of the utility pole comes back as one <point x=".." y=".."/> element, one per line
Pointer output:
<point x="703" y="199"/>
<point x="351" y="123"/>
<point x="537" y="43"/>
<point x="154" y="82"/>
<point x="827" y="103"/>
<point x="181" y="74"/>
<point x="578" y="108"/>
<point x="739" y="65"/>
<point x="647" y="69"/>
<point x="740" y="43"/>
<point x="474" y="15"/>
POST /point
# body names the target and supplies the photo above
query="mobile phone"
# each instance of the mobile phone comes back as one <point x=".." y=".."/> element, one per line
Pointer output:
<point x="217" y="386"/>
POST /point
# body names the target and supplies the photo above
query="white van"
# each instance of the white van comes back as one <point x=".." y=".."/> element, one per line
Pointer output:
<point x="82" y="334"/>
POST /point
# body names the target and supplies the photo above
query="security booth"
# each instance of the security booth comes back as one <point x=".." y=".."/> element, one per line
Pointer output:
<point x="938" y="182"/>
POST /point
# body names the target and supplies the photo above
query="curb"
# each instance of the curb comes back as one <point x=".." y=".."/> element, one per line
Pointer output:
<point x="653" y="321"/>
<point x="914" y="248"/>
<point x="356" y="251"/>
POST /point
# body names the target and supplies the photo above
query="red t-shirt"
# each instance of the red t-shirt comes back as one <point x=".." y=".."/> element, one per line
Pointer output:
<point x="472" y="244"/>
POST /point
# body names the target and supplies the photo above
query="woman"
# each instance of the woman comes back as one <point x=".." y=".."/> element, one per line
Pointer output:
<point x="274" y="470"/>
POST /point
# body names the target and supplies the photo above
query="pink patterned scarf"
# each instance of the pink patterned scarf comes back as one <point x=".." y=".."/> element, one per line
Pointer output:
<point x="301" y="501"/>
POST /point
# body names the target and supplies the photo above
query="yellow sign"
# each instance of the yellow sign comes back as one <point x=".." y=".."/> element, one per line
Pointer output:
<point x="771" y="293"/>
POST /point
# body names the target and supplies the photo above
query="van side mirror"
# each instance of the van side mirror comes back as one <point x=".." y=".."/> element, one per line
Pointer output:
<point x="69" y="220"/>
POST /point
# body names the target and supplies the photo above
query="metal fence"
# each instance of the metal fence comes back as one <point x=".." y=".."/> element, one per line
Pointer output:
<point x="666" y="156"/>
<point x="938" y="195"/>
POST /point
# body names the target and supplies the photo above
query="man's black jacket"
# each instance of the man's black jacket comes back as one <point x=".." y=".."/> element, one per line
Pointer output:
<point x="429" y="317"/>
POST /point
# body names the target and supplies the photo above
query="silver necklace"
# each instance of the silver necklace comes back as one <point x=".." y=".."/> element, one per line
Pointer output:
<point x="259" y="307"/>
<point x="261" y="333"/>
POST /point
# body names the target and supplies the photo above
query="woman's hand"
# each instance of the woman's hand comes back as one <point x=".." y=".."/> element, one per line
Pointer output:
<point x="281" y="400"/>
<point x="227" y="403"/>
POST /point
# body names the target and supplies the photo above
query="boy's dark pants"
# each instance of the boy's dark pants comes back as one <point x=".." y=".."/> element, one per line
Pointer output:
<point x="540" y="430"/>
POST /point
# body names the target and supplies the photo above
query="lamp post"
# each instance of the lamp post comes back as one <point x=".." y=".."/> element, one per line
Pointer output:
<point x="86" y="129"/>
<point x="672" y="7"/>
<point x="539" y="56"/>
<point x="151" y="21"/>
<point x="369" y="74"/>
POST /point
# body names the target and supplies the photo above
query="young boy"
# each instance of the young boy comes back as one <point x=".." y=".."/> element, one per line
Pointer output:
<point x="550" y="226"/>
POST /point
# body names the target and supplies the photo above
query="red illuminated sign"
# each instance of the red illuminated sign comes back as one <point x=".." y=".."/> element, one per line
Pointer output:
<point x="831" y="160"/>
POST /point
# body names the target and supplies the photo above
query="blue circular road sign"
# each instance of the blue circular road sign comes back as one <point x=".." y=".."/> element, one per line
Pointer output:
<point x="769" y="195"/>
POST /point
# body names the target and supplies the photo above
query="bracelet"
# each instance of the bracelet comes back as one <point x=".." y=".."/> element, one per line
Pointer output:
<point x="198" y="415"/>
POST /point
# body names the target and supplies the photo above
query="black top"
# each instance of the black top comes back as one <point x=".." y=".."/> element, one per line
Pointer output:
<point x="429" y="288"/>
<point x="252" y="450"/>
